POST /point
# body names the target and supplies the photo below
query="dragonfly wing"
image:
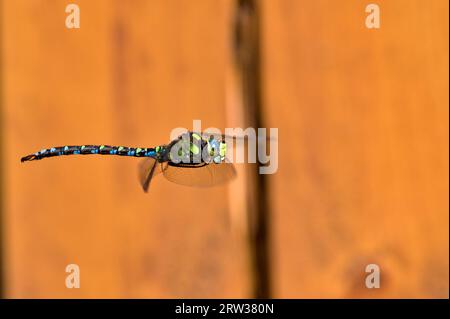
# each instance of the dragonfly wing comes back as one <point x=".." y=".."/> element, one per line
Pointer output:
<point x="223" y="137"/>
<point x="148" y="168"/>
<point x="202" y="175"/>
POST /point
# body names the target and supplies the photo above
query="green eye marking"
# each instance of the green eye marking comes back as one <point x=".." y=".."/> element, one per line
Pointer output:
<point x="82" y="147"/>
<point x="157" y="149"/>
<point x="120" y="148"/>
<point x="223" y="149"/>
<point x="138" y="150"/>
<point x="194" y="149"/>
<point x="210" y="149"/>
<point x="196" y="136"/>
<point x="101" y="147"/>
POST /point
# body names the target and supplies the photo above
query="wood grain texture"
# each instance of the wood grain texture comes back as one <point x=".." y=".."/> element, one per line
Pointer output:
<point x="363" y="172"/>
<point x="363" y="148"/>
<point x="131" y="73"/>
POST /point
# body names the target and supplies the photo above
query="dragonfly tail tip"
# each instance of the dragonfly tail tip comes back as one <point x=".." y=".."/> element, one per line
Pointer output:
<point x="28" y="158"/>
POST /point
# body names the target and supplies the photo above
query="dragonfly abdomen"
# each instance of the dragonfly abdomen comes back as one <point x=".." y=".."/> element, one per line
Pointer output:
<point x="92" y="149"/>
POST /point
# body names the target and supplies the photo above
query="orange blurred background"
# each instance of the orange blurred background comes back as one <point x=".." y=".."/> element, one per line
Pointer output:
<point x="363" y="149"/>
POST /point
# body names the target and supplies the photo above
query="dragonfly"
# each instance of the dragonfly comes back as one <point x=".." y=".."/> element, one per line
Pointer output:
<point x="192" y="159"/>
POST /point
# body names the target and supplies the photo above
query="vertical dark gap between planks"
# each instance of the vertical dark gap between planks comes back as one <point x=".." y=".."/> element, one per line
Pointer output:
<point x="2" y="212"/>
<point x="248" y="65"/>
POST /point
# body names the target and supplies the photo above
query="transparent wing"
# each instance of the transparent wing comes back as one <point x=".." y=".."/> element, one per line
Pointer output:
<point x="203" y="175"/>
<point x="148" y="168"/>
<point x="237" y="137"/>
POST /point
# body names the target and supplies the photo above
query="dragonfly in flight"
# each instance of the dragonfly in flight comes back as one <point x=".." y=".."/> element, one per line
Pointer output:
<point x="192" y="159"/>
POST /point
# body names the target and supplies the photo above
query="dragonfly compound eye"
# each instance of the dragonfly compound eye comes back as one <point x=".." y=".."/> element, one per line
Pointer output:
<point x="213" y="147"/>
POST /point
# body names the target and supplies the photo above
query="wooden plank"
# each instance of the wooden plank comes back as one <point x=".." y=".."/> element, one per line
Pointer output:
<point x="131" y="73"/>
<point x="363" y="147"/>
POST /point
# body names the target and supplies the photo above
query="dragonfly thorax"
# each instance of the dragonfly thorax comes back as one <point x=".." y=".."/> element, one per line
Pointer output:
<point x="193" y="148"/>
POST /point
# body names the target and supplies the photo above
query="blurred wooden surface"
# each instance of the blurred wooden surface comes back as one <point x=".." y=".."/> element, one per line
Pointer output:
<point x="132" y="72"/>
<point x="363" y="174"/>
<point x="363" y="148"/>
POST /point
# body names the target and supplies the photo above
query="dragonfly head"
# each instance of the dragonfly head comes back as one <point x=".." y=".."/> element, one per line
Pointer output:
<point x="216" y="150"/>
